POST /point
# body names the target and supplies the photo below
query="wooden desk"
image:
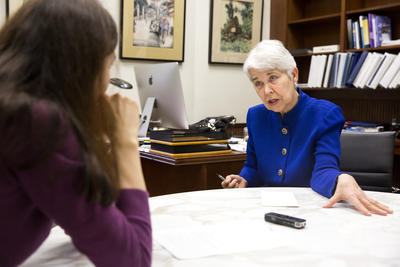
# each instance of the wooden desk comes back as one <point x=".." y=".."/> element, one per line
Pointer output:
<point x="165" y="175"/>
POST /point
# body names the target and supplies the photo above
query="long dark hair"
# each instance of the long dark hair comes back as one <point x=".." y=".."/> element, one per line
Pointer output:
<point x="55" y="51"/>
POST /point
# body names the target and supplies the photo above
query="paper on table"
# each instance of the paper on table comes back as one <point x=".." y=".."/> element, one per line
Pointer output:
<point x="218" y="239"/>
<point x="278" y="199"/>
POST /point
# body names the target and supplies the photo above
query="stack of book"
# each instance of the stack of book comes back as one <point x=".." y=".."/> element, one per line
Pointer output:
<point x="366" y="69"/>
<point x="188" y="143"/>
<point x="368" y="31"/>
<point x="359" y="126"/>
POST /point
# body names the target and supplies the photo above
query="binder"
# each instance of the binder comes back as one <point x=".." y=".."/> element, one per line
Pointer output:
<point x="391" y="72"/>
<point x="357" y="68"/>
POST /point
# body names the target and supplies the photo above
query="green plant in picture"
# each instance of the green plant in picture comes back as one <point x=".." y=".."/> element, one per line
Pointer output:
<point x="236" y="33"/>
<point x="25" y="1"/>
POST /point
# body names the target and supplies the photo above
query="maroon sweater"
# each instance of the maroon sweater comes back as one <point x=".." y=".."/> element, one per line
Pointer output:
<point x="32" y="200"/>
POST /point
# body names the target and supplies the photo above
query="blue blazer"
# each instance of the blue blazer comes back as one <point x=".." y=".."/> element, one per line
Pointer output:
<point x="302" y="149"/>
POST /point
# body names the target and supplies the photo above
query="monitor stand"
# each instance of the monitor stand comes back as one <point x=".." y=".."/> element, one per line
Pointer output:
<point x="146" y="116"/>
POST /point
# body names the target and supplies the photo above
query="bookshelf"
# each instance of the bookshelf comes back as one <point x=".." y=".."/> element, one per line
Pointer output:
<point x="302" y="24"/>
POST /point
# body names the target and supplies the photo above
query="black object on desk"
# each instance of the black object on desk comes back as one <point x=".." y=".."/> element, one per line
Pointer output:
<point x="285" y="220"/>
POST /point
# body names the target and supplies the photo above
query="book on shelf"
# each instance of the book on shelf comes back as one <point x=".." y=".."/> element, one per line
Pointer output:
<point x="383" y="29"/>
<point x="364" y="26"/>
<point x="347" y="68"/>
<point x="390" y="42"/>
<point x="326" y="48"/>
<point x="356" y="35"/>
<point x="343" y="59"/>
<point x="333" y="71"/>
<point x="353" y="63"/>
<point x="311" y="71"/>
<point x="356" y="68"/>
<point x="372" y="29"/>
<point x="371" y="68"/>
<point x="391" y="72"/>
<point x="376" y="78"/>
<point x="368" y="31"/>
<point x="320" y="70"/>
<point x="350" y="33"/>
<point x="395" y="81"/>
<point x="362" y="70"/>
<point x="315" y="76"/>
<point x="327" y="71"/>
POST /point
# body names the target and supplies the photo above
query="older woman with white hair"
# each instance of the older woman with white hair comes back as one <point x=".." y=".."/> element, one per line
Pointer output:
<point x="294" y="139"/>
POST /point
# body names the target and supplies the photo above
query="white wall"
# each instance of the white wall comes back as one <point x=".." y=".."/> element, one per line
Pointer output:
<point x="2" y="11"/>
<point x="209" y="90"/>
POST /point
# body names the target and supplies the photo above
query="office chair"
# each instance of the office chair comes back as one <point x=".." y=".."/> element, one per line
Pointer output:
<point x="368" y="157"/>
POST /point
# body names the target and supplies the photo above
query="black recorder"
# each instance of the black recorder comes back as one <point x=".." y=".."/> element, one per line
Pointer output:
<point x="286" y="220"/>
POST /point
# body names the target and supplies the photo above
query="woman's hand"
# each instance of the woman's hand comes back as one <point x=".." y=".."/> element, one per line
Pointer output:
<point x="126" y="114"/>
<point x="348" y="189"/>
<point x="234" y="181"/>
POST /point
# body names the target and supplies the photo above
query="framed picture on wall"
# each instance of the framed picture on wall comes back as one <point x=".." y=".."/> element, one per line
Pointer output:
<point x="152" y="29"/>
<point x="13" y="5"/>
<point x="235" y="28"/>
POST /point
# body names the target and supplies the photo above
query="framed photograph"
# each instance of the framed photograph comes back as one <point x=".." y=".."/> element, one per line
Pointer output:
<point x="152" y="29"/>
<point x="235" y="28"/>
<point x="13" y="5"/>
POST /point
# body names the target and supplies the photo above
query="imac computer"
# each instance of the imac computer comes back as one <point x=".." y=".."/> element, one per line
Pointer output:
<point x="161" y="96"/>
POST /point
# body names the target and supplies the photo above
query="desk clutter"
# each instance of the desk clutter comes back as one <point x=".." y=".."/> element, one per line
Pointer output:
<point x="178" y="143"/>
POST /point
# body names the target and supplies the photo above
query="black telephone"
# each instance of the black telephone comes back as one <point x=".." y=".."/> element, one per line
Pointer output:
<point x="215" y="124"/>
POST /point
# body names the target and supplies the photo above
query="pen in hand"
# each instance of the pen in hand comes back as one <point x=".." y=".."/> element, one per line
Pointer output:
<point x="220" y="177"/>
<point x="232" y="181"/>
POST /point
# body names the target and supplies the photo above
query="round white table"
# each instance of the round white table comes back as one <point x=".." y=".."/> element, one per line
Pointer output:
<point x="230" y="224"/>
<point x="339" y="236"/>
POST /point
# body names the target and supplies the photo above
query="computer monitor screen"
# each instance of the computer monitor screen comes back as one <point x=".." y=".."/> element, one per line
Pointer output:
<point x="162" y="81"/>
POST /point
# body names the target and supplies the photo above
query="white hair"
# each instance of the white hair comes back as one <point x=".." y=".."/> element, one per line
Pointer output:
<point x="270" y="54"/>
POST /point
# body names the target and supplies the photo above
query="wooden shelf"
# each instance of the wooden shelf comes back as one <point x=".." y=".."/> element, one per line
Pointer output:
<point x="315" y="19"/>
<point x="391" y="48"/>
<point x="380" y="48"/>
<point x="357" y="93"/>
<point x="373" y="9"/>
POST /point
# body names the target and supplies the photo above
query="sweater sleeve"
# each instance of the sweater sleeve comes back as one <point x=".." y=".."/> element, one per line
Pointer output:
<point x="117" y="235"/>
<point x="249" y="171"/>
<point x="327" y="153"/>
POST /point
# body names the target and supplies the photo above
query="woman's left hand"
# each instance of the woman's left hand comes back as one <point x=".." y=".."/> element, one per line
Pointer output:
<point x="348" y="189"/>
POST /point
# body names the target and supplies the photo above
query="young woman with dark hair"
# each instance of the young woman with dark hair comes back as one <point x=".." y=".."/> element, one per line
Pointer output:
<point x="68" y="153"/>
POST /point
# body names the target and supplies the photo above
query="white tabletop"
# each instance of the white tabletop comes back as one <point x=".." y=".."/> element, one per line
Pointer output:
<point x="339" y="236"/>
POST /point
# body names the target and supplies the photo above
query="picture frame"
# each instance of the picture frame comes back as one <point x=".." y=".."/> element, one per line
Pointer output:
<point x="235" y="28"/>
<point x="153" y="30"/>
<point x="13" y="5"/>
